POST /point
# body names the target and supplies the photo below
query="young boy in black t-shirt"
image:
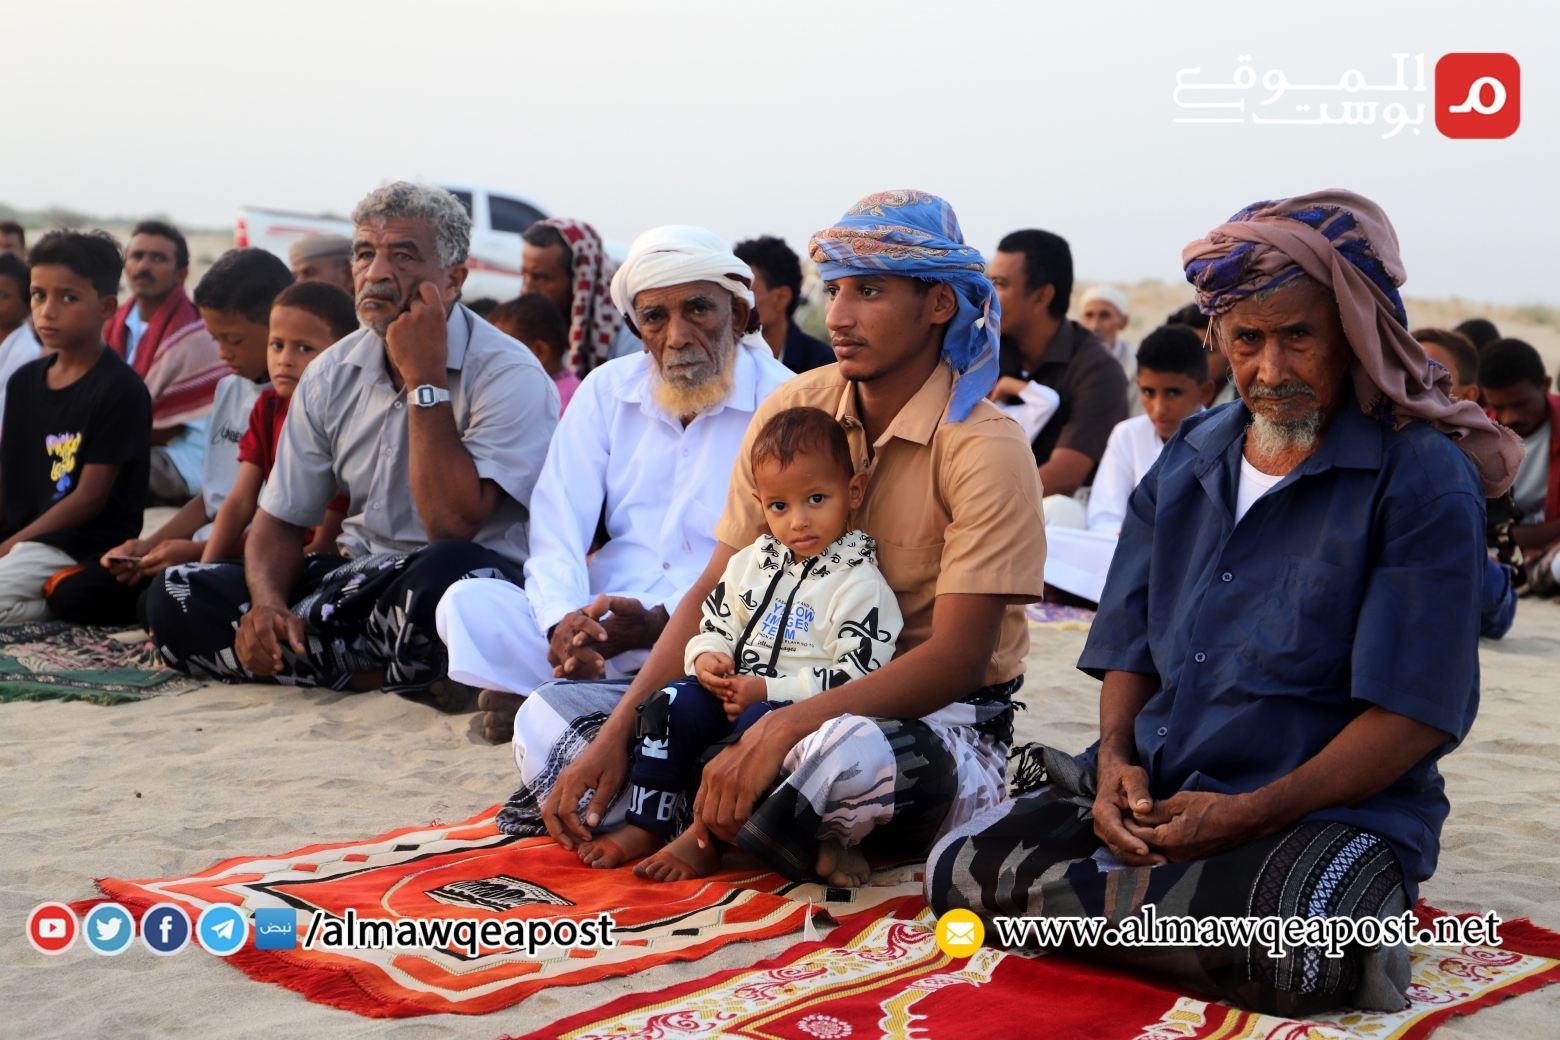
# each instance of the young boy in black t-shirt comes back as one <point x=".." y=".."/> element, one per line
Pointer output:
<point x="75" y="445"/>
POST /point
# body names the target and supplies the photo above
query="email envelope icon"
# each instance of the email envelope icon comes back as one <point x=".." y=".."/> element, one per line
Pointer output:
<point x="961" y="933"/>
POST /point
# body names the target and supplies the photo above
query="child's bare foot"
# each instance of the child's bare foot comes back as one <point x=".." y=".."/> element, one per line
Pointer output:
<point x="682" y="860"/>
<point x="614" y="850"/>
<point x="840" y="866"/>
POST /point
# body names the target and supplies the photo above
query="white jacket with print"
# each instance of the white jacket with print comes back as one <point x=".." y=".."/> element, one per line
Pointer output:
<point x="803" y="625"/>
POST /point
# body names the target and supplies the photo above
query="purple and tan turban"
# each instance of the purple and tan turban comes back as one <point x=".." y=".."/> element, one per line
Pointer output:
<point x="1345" y="242"/>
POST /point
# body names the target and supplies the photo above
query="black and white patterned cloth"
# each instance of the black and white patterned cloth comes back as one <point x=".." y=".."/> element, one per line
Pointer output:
<point x="370" y="613"/>
<point x="897" y="784"/>
<point x="1038" y="856"/>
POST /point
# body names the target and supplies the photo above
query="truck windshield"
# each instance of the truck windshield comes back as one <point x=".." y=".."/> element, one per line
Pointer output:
<point x="511" y="214"/>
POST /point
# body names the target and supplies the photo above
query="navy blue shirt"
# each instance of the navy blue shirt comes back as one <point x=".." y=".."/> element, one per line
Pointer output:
<point x="1357" y="580"/>
<point x="803" y="353"/>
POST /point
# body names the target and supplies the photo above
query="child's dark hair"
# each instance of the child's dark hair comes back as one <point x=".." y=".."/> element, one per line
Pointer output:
<point x="533" y="319"/>
<point x="1464" y="354"/>
<point x="1507" y="362"/>
<point x="93" y="255"/>
<point x="245" y="281"/>
<point x="15" y="268"/>
<point x="327" y="302"/>
<point x="799" y="431"/>
<point x="1177" y="349"/>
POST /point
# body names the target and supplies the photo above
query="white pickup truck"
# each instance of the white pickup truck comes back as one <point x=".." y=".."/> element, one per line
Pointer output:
<point x="497" y="219"/>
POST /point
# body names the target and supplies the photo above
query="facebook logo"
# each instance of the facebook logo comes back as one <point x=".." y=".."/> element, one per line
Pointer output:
<point x="165" y="929"/>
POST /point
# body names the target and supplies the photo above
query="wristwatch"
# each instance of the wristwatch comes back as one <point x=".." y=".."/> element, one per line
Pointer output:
<point x="428" y="395"/>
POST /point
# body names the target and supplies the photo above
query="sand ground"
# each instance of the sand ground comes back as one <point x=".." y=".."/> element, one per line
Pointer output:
<point x="173" y="784"/>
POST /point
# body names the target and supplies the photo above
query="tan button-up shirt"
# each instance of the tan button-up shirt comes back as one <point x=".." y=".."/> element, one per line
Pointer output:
<point x="954" y="507"/>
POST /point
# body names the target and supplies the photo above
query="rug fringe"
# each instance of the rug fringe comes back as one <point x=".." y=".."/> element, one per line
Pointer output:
<point x="333" y="986"/>
<point x="1425" y="1026"/>
<point x="1519" y="935"/>
<point x="1523" y="936"/>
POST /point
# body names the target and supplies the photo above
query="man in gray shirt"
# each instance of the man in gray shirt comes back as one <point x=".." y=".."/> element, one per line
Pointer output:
<point x="434" y="424"/>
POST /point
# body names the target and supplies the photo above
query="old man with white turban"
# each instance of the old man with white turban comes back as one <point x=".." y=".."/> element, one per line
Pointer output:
<point x="623" y="516"/>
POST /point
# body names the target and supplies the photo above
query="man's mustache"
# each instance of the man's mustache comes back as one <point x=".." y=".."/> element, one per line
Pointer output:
<point x="388" y="293"/>
<point x="1291" y="389"/>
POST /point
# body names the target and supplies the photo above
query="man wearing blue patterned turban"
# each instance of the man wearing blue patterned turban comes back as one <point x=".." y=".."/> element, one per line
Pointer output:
<point x="918" y="747"/>
<point x="1288" y="636"/>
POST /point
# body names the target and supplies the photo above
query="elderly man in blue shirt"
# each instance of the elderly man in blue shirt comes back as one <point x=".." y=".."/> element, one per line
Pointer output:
<point x="1288" y="636"/>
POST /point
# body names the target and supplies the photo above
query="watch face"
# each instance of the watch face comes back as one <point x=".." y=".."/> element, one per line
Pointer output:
<point x="425" y="396"/>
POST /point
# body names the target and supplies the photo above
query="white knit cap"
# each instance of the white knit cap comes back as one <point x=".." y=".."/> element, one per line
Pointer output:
<point x="1111" y="295"/>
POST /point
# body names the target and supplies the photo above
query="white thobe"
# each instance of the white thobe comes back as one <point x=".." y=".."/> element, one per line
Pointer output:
<point x="1133" y="447"/>
<point x="659" y="487"/>
<point x="1077" y="561"/>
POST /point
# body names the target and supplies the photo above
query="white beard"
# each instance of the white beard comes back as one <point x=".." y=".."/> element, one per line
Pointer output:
<point x="1275" y="438"/>
<point x="683" y="399"/>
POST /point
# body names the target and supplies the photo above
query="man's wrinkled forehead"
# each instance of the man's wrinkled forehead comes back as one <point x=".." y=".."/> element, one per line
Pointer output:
<point x="666" y="297"/>
<point x="147" y="244"/>
<point x="397" y="231"/>
<point x="1300" y="304"/>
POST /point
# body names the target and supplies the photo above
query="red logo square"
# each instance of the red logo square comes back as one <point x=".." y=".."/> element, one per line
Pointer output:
<point x="1478" y="95"/>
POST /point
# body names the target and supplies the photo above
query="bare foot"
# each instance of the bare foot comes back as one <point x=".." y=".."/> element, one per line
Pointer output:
<point x="451" y="697"/>
<point x="840" y="866"/>
<point x="498" y="719"/>
<point x="682" y="860"/>
<point x="614" y="850"/>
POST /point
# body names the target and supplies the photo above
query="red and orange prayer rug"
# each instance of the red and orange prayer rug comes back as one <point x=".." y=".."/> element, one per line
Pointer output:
<point x="472" y="870"/>
<point x="886" y="978"/>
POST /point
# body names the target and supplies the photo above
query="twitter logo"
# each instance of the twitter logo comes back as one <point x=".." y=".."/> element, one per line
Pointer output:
<point x="222" y="928"/>
<point x="109" y="928"/>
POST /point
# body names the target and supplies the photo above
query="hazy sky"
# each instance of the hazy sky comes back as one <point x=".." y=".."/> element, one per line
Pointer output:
<point x="751" y="118"/>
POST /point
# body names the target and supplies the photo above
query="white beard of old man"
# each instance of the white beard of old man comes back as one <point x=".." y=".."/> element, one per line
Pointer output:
<point x="689" y="299"/>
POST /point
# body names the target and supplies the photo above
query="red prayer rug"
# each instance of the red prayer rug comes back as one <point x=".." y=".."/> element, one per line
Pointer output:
<point x="885" y="977"/>
<point x="472" y="870"/>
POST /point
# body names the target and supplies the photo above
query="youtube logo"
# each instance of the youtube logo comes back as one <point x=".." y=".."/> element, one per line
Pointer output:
<point x="51" y="928"/>
<point x="1478" y="95"/>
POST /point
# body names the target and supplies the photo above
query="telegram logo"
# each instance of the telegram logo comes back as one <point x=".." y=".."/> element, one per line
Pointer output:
<point x="109" y="929"/>
<point x="165" y="929"/>
<point x="276" y="928"/>
<point x="222" y="929"/>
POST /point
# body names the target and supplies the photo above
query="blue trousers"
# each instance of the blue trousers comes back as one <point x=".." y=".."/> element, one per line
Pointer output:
<point x="1499" y="608"/>
<point x="680" y="728"/>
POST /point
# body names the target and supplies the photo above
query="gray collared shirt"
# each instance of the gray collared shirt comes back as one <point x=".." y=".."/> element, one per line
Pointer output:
<point x="346" y="430"/>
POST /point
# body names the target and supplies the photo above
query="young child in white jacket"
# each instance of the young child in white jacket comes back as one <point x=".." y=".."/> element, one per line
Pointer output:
<point x="801" y="610"/>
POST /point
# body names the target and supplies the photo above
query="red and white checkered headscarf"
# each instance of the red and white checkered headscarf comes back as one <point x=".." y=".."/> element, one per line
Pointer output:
<point x="594" y="320"/>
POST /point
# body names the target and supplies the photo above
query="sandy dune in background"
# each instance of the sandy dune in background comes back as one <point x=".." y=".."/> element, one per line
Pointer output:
<point x="224" y="771"/>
